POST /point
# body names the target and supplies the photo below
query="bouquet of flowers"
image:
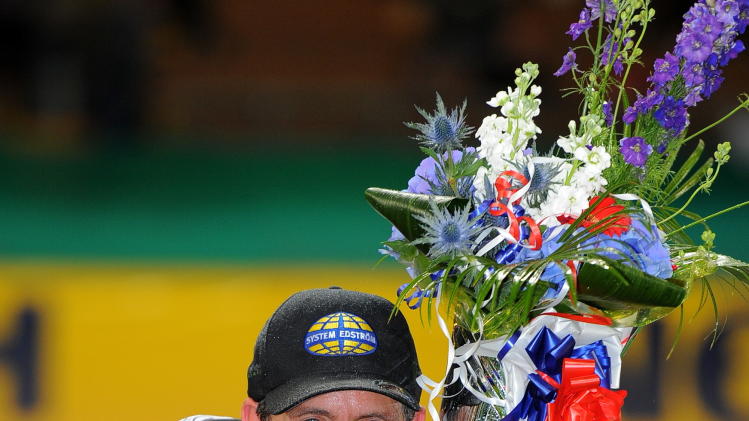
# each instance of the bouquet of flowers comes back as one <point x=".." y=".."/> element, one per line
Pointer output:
<point x="549" y="263"/>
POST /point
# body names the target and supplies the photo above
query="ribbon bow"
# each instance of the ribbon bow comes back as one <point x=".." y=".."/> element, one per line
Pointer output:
<point x="580" y="397"/>
<point x="552" y="381"/>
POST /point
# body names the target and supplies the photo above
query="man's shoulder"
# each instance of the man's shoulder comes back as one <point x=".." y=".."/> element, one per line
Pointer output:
<point x="208" y="418"/>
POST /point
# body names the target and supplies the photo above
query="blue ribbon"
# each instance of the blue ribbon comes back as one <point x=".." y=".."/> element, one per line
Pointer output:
<point x="548" y="351"/>
<point x="414" y="300"/>
<point x="508" y="253"/>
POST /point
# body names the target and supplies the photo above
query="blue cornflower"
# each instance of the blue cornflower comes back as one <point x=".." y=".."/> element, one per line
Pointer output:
<point x="442" y="131"/>
<point x="672" y="115"/>
<point x="664" y="70"/>
<point x="568" y="62"/>
<point x="582" y="25"/>
<point x="446" y="233"/>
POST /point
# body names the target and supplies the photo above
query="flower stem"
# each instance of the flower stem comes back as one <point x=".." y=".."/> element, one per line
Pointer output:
<point x="622" y="86"/>
<point x="744" y="104"/>
<point x="699" y="221"/>
<point x="701" y="187"/>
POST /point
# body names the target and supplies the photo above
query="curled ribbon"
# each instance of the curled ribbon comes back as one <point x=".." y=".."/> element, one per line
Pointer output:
<point x="520" y="227"/>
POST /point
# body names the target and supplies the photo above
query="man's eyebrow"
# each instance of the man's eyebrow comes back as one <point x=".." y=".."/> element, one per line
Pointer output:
<point x="380" y="415"/>
<point x="299" y="411"/>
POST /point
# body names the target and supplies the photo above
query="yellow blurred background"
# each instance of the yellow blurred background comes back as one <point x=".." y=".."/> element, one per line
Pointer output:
<point x="171" y="170"/>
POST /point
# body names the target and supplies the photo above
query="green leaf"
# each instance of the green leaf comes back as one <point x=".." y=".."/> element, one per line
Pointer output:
<point x="691" y="182"/>
<point x="612" y="285"/>
<point x="401" y="208"/>
<point x="681" y="174"/>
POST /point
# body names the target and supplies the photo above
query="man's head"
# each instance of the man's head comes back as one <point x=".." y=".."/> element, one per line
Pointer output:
<point x="335" y="354"/>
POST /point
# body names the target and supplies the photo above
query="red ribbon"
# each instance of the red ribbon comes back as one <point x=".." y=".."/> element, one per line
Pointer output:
<point x="505" y="190"/>
<point x="585" y="318"/>
<point x="580" y="396"/>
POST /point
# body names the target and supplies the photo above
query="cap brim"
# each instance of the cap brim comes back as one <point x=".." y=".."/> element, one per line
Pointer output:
<point x="294" y="392"/>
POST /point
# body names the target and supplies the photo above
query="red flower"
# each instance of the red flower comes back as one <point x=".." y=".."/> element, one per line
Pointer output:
<point x="603" y="215"/>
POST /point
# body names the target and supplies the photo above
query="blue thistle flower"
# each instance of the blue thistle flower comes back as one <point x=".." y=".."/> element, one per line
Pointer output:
<point x="448" y="234"/>
<point x="544" y="174"/>
<point x="442" y="131"/>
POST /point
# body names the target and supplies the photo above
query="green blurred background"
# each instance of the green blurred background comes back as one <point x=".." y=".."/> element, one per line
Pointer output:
<point x="185" y="135"/>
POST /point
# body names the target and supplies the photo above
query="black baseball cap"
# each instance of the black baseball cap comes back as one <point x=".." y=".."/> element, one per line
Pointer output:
<point x="326" y="340"/>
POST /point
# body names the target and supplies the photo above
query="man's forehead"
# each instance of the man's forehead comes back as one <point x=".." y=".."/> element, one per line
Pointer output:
<point x="348" y="402"/>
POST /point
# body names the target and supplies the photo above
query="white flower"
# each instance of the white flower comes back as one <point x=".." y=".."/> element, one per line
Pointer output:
<point x="535" y="90"/>
<point x="492" y="128"/>
<point x="569" y="201"/>
<point x="589" y="179"/>
<point x="595" y="157"/>
<point x="571" y="143"/>
<point x="498" y="99"/>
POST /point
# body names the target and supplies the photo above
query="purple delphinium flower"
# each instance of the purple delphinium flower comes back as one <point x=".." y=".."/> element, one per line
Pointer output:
<point x="642" y="105"/>
<point x="695" y="47"/>
<point x="662" y="146"/>
<point x="646" y="103"/>
<point x="708" y="25"/>
<point x="609" y="51"/>
<point x="693" y="73"/>
<point x="733" y="52"/>
<point x="582" y="25"/>
<point x="693" y="97"/>
<point x="608" y="116"/>
<point x="664" y="70"/>
<point x="591" y="13"/>
<point x="727" y="10"/>
<point x="630" y="115"/>
<point x="742" y="19"/>
<point x="672" y="115"/>
<point x="609" y="10"/>
<point x="635" y="151"/>
<point x="706" y="43"/>
<point x="568" y="62"/>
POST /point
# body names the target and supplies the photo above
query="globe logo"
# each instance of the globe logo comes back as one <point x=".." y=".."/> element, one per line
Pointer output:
<point x="340" y="334"/>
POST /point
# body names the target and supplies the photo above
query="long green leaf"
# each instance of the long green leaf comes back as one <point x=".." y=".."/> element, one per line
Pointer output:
<point x="401" y="209"/>
<point x="689" y="184"/>
<point x="681" y="174"/>
<point x="612" y="285"/>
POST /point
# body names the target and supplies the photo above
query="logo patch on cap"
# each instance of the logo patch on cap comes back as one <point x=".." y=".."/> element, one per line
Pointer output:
<point x="340" y="334"/>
